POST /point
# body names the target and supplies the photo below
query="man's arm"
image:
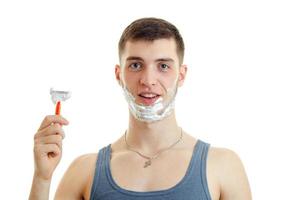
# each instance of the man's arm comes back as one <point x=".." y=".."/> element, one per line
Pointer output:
<point x="233" y="179"/>
<point x="39" y="188"/>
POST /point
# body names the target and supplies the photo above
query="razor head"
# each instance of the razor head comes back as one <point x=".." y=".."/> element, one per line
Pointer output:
<point x="59" y="95"/>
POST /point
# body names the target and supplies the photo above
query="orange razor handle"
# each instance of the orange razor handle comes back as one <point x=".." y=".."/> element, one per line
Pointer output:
<point x="57" y="108"/>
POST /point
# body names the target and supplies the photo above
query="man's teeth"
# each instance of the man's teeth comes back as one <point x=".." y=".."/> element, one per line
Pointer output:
<point x="148" y="95"/>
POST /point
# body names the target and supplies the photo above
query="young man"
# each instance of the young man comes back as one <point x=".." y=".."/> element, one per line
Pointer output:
<point x="154" y="158"/>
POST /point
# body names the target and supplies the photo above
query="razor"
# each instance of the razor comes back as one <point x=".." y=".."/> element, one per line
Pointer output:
<point x="57" y="97"/>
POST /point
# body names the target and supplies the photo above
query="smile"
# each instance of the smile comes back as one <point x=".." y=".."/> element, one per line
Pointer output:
<point x="148" y="99"/>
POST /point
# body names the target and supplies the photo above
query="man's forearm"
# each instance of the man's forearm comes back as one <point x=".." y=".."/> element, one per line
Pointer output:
<point x="39" y="189"/>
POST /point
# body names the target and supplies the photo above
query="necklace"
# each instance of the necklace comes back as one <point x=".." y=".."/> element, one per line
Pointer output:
<point x="149" y="159"/>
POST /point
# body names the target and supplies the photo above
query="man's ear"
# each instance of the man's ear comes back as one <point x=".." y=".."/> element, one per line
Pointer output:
<point x="118" y="73"/>
<point x="182" y="74"/>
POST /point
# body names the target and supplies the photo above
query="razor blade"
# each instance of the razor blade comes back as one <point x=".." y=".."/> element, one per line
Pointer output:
<point x="57" y="97"/>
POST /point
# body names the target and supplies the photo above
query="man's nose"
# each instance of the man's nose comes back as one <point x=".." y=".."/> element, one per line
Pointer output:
<point x="148" y="77"/>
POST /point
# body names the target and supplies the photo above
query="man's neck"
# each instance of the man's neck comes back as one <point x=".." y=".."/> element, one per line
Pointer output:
<point x="150" y="138"/>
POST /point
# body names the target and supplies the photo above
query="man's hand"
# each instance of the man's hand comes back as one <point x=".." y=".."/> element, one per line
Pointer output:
<point x="48" y="145"/>
<point x="47" y="154"/>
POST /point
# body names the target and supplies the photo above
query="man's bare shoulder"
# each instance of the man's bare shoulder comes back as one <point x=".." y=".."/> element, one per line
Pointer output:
<point x="85" y="160"/>
<point x="218" y="155"/>
<point x="226" y="169"/>
<point x="78" y="178"/>
<point x="83" y="165"/>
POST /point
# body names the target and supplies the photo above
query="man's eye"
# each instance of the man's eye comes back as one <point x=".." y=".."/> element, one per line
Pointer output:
<point x="164" y="67"/>
<point x="135" y="66"/>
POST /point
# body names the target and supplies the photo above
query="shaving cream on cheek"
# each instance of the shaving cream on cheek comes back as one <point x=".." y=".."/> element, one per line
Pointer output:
<point x="157" y="111"/>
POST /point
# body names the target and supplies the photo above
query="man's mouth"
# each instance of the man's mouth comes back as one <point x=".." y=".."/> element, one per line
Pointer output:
<point x="148" y="98"/>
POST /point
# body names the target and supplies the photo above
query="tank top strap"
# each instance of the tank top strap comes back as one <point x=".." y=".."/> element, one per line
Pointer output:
<point x="100" y="182"/>
<point x="199" y="170"/>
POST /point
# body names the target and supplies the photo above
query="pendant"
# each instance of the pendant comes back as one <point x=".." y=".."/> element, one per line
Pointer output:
<point x="147" y="163"/>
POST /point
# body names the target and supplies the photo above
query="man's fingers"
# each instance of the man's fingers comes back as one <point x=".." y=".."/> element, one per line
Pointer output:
<point x="51" y="148"/>
<point x="48" y="148"/>
<point x="51" y="139"/>
<point x="54" y="129"/>
<point x="49" y="119"/>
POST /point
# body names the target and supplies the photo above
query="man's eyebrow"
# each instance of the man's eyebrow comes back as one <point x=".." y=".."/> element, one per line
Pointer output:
<point x="157" y="60"/>
<point x="164" y="60"/>
<point x="134" y="58"/>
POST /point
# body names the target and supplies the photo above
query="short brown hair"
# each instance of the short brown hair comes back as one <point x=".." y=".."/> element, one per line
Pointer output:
<point x="150" y="29"/>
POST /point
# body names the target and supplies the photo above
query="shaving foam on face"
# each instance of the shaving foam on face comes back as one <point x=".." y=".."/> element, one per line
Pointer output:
<point x="159" y="110"/>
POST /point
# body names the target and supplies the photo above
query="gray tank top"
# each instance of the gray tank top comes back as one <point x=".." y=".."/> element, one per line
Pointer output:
<point x="193" y="186"/>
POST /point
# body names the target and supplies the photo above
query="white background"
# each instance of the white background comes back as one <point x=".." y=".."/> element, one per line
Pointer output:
<point x="241" y="92"/>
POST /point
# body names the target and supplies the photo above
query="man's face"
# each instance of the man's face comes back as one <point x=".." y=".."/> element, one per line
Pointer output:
<point x="150" y="69"/>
